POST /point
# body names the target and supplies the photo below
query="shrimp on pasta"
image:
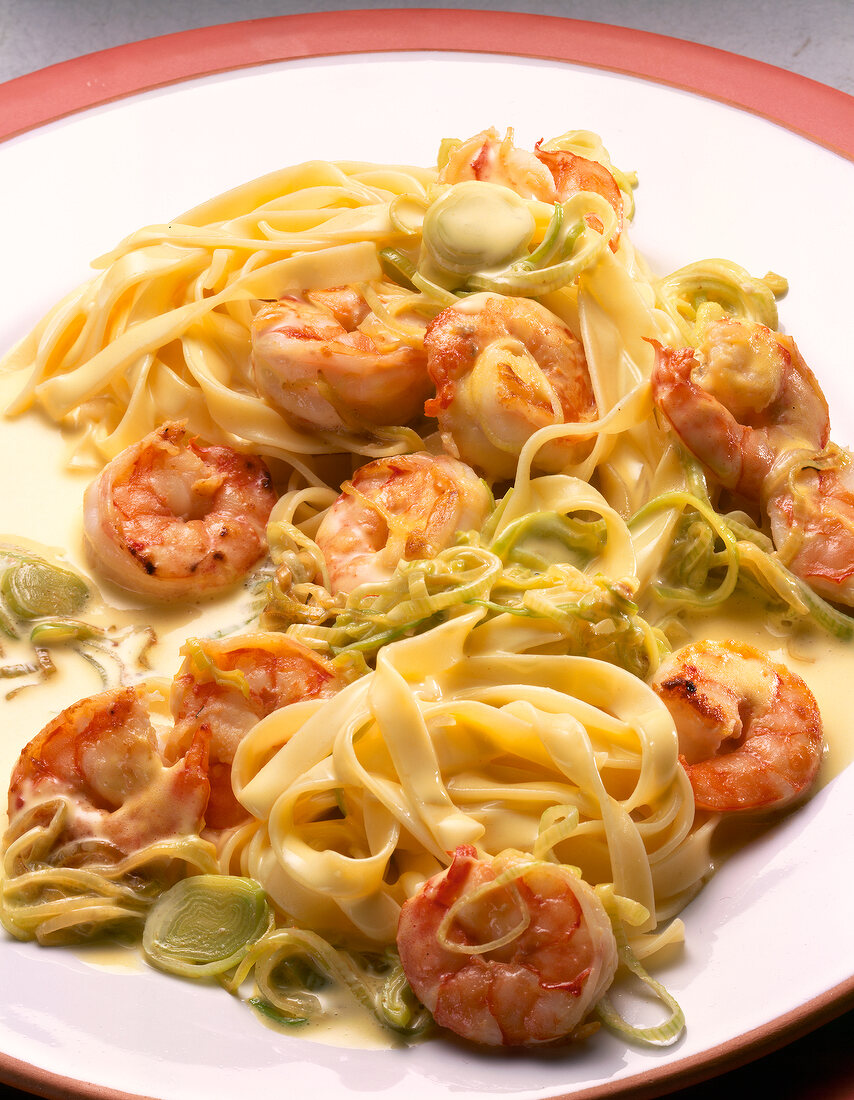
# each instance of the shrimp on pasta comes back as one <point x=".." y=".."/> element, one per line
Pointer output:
<point x="328" y="363"/>
<point x="101" y="758"/>
<point x="504" y="367"/>
<point x="398" y="509"/>
<point x="508" y="951"/>
<point x="748" y="406"/>
<point x="224" y="687"/>
<point x="547" y="175"/>
<point x="750" y="733"/>
<point x="174" y="518"/>
<point x="739" y="400"/>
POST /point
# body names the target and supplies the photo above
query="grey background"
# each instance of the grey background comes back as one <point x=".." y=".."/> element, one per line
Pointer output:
<point x="815" y="39"/>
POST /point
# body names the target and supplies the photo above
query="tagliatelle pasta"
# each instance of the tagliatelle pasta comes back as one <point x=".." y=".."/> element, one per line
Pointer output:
<point x="458" y="738"/>
<point x="487" y="705"/>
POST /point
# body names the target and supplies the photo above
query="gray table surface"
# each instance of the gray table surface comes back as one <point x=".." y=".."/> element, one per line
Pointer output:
<point x="815" y="40"/>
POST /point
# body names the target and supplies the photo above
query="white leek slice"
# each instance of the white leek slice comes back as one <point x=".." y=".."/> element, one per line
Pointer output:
<point x="204" y="925"/>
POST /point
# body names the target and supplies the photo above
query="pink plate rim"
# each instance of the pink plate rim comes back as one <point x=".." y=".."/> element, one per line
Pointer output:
<point x="824" y="115"/>
<point x="817" y="112"/>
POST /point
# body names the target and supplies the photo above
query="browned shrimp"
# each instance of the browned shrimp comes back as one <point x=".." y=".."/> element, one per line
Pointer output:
<point x="503" y="368"/>
<point x="812" y="523"/>
<point x="750" y="732"/>
<point x="548" y="176"/>
<point x="327" y="363"/>
<point x="101" y="755"/>
<point x="739" y="399"/>
<point x="507" y="951"/>
<point x="224" y="687"/>
<point x="172" y="518"/>
<point x="398" y="509"/>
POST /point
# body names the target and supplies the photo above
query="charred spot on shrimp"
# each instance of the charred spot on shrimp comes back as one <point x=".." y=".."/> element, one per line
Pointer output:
<point x="749" y="730"/>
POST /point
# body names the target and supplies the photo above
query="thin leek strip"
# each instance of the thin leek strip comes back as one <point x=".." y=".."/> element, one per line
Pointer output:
<point x="206" y="669"/>
<point x="662" y="1034"/>
<point x="397" y="1006"/>
<point x="556" y="824"/>
<point x="267" y="954"/>
<point x="756" y="550"/>
<point x="433" y="290"/>
<point x="681" y="500"/>
<point x="398" y="265"/>
<point x="505" y="878"/>
<point x="553" y="241"/>
<point x="561" y="528"/>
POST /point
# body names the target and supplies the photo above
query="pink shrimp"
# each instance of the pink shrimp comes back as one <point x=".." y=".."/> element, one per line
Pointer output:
<point x="101" y="755"/>
<point x="327" y="363"/>
<point x="747" y="405"/>
<point x="489" y="157"/>
<point x="572" y="174"/>
<point x="172" y="518"/>
<point x="548" y="176"/>
<point x="224" y="687"/>
<point x="749" y="729"/>
<point x="503" y="368"/>
<point x="399" y="508"/>
<point x="741" y="398"/>
<point x="812" y="523"/>
<point x="553" y="958"/>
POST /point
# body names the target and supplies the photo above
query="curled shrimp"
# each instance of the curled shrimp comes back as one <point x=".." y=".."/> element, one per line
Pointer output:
<point x="398" y="509"/>
<point x="327" y="363"/>
<point x="101" y="756"/>
<point x="503" y="368"/>
<point x="489" y="157"/>
<point x="740" y="399"/>
<point x="224" y="687"/>
<point x="172" y="518"/>
<point x="550" y="176"/>
<point x="507" y="951"/>
<point x="749" y="729"/>
<point x="811" y="512"/>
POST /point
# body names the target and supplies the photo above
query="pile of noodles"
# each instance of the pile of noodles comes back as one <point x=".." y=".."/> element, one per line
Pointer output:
<point x="484" y="727"/>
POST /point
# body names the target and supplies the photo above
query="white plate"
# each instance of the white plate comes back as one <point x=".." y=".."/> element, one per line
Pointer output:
<point x="769" y="938"/>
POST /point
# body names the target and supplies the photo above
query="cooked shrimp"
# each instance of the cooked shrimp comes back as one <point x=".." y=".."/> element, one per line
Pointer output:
<point x="327" y="363"/>
<point x="489" y="157"/>
<point x="750" y="733"/>
<point x="503" y="368"/>
<point x="812" y="523"/>
<point x="548" y="176"/>
<point x="572" y="174"/>
<point x="101" y="755"/>
<point x="507" y="951"/>
<point x="224" y="687"/>
<point x="744" y="396"/>
<point x="398" y="509"/>
<point x="173" y="518"/>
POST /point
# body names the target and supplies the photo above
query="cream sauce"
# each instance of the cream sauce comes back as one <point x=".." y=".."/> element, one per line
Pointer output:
<point x="823" y="662"/>
<point x="42" y="506"/>
<point x="42" y="514"/>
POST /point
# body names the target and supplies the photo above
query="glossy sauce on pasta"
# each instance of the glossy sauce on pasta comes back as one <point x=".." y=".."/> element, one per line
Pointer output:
<point x="460" y="735"/>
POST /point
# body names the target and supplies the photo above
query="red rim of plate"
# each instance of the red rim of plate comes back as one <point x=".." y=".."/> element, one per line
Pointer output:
<point x="823" y="114"/>
<point x="807" y="107"/>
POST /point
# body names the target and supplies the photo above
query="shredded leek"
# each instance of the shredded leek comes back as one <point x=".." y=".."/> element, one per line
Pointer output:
<point x="206" y="669"/>
<point x="663" y="1034"/>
